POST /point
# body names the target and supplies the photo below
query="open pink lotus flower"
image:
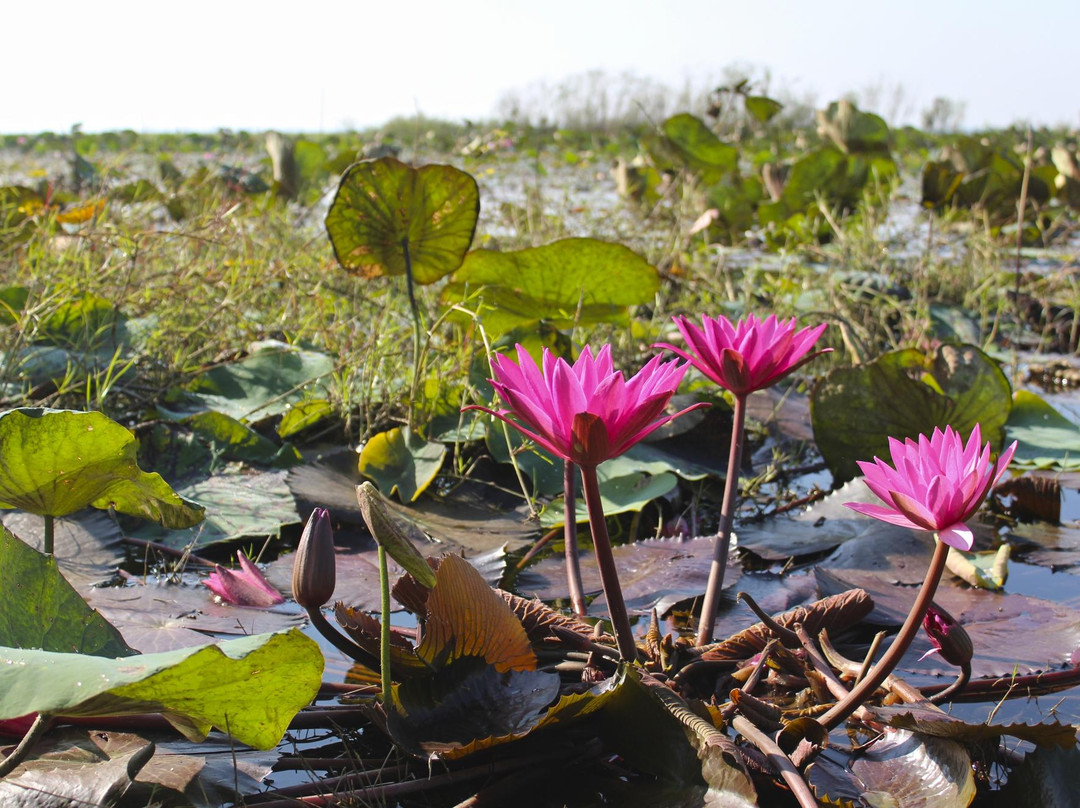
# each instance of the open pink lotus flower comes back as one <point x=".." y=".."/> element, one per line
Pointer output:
<point x="586" y="412"/>
<point x="935" y="483"/>
<point x="245" y="588"/>
<point x="751" y="354"/>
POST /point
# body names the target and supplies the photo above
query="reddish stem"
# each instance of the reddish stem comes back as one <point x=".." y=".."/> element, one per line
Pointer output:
<point x="880" y="672"/>
<point x="727" y="515"/>
<point x="573" y="565"/>
<point x="609" y="576"/>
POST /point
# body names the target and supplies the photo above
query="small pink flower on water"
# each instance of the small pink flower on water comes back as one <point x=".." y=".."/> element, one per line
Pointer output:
<point x="248" y="587"/>
<point x="586" y="412"/>
<point x="935" y="483"/>
<point x="751" y="354"/>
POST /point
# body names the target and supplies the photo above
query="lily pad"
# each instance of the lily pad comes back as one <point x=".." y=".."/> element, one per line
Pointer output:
<point x="88" y="546"/>
<point x="271" y="379"/>
<point x="238" y="504"/>
<point x="1047" y="439"/>
<point x="41" y="610"/>
<point x="382" y="203"/>
<point x="399" y="460"/>
<point x="1048" y="778"/>
<point x="572" y="282"/>
<point x="56" y="462"/>
<point x="627" y="494"/>
<point x="903" y="394"/>
<point x="251" y="687"/>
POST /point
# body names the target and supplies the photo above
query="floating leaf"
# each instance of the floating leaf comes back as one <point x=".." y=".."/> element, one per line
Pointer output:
<point x="627" y="494"/>
<point x="88" y="546"/>
<point x="399" y="460"/>
<point x="41" y="610"/>
<point x="250" y="687"/>
<point x="56" y="462"/>
<point x="237" y="504"/>
<point x="1047" y="439"/>
<point x="899" y="768"/>
<point x="303" y="415"/>
<point x="903" y="394"/>
<point x="382" y="203"/>
<point x="575" y="281"/>
<point x="1048" y="778"/>
<point x="983" y="570"/>
<point x="231" y="439"/>
<point x="942" y="725"/>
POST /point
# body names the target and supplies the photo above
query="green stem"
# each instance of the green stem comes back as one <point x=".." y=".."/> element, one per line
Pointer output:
<point x="417" y="327"/>
<point x="384" y="634"/>
<point x="33" y="735"/>
<point x="727" y="515"/>
<point x="48" y="541"/>
<point x="573" y="565"/>
<point x="888" y="662"/>
<point x="609" y="575"/>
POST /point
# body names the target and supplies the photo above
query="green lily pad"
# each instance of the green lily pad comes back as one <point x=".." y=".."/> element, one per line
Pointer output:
<point x="56" y="462"/>
<point x="699" y="148"/>
<point x="1047" y="439"/>
<point x="902" y="394"/>
<point x="626" y="494"/>
<point x="398" y="460"/>
<point x="304" y="414"/>
<point x="250" y="687"/>
<point x="42" y="610"/>
<point x="238" y="505"/>
<point x="272" y="378"/>
<point x="382" y="203"/>
<point x="230" y="438"/>
<point x="575" y="281"/>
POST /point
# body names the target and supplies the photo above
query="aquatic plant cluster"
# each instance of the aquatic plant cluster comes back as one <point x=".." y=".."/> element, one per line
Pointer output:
<point x="472" y="390"/>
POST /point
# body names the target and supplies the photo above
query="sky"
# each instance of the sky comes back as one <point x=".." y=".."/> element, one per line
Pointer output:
<point x="327" y="65"/>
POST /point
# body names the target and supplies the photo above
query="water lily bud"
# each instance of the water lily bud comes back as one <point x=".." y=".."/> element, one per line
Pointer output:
<point x="947" y="636"/>
<point x="314" y="570"/>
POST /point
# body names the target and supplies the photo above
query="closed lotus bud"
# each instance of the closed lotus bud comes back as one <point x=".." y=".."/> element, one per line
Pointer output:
<point x="948" y="637"/>
<point x="314" y="570"/>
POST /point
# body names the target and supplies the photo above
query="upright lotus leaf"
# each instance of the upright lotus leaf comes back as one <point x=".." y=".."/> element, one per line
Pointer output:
<point x="575" y="281"/>
<point x="12" y="302"/>
<point x="41" y="610"/>
<point x="899" y="768"/>
<point x="697" y="146"/>
<point x="380" y="204"/>
<point x="902" y="394"/>
<point x="762" y="108"/>
<point x="939" y="183"/>
<point x="250" y="687"/>
<point x="1048" y="440"/>
<point x="56" y="462"/>
<point x="272" y="378"/>
<point x="399" y="460"/>
<point x="87" y="319"/>
<point x="851" y="130"/>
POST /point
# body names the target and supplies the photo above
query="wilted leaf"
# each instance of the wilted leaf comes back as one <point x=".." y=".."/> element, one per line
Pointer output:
<point x="398" y="460"/>
<point x="56" y="462"/>
<point x="253" y="686"/>
<point x="41" y="610"/>
<point x="903" y="394"/>
<point x="572" y="282"/>
<point x="983" y="570"/>
<point x="942" y="725"/>
<point x="381" y="203"/>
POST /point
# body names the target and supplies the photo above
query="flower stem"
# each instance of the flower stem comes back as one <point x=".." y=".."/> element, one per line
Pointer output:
<point x="609" y="576"/>
<point x="33" y="735"/>
<point x="384" y="633"/>
<point x="799" y="789"/>
<point x="573" y="565"/>
<point x="880" y="672"/>
<point x="727" y="516"/>
<point x="417" y="327"/>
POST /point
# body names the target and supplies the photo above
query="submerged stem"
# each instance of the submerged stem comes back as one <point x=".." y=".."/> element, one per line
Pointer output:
<point x="609" y="575"/>
<point x="727" y="515"/>
<point x="573" y="565"/>
<point x="880" y="672"/>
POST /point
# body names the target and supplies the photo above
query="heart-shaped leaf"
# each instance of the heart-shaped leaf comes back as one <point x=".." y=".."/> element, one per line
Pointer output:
<point x="398" y="460"/>
<point x="575" y="281"/>
<point x="56" y="462"/>
<point x="903" y="394"/>
<point x="383" y="204"/>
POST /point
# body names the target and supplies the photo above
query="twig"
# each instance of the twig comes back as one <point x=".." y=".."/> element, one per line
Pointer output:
<point x="799" y="789"/>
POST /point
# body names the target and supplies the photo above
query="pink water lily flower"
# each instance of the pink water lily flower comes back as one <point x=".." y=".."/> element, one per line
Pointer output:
<point x="935" y="483"/>
<point x="751" y="354"/>
<point x="245" y="588"/>
<point x="586" y="412"/>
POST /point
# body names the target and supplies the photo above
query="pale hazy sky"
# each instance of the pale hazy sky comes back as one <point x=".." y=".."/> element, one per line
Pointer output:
<point x="326" y="64"/>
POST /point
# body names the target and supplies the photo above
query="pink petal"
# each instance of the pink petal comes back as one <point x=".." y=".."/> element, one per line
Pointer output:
<point x="958" y="535"/>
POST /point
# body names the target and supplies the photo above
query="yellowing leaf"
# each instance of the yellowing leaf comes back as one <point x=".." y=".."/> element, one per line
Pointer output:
<point x="82" y="213"/>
